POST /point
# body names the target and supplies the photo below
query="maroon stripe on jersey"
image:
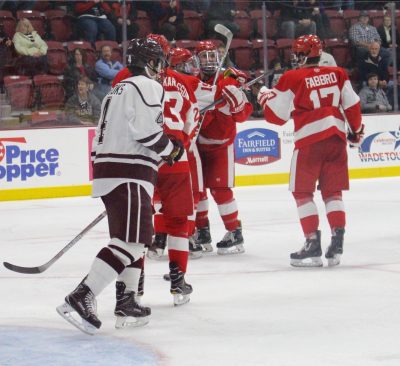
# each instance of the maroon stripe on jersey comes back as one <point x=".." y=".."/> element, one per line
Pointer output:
<point x="127" y="156"/>
<point x="123" y="251"/>
<point x="124" y="170"/>
<point x="107" y="256"/>
<point x="159" y="145"/>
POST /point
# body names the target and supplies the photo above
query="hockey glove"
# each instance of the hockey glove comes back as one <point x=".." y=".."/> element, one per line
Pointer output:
<point x="356" y="138"/>
<point x="176" y="152"/>
<point x="263" y="96"/>
<point x="240" y="76"/>
<point x="234" y="97"/>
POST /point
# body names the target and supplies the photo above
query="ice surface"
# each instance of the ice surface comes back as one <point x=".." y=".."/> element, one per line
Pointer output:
<point x="249" y="309"/>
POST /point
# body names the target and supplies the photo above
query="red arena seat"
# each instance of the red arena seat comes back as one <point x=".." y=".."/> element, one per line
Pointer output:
<point x="194" y="21"/>
<point x="20" y="91"/>
<point x="284" y="46"/>
<point x="61" y="26"/>
<point x="144" y="23"/>
<point x="8" y="21"/>
<point x="340" y="51"/>
<point x="245" y="24"/>
<point x="56" y="57"/>
<point x="90" y="52"/>
<point x="272" y="51"/>
<point x="50" y="91"/>
<point x="116" y="50"/>
<point x="36" y="18"/>
<point x="242" y="53"/>
<point x="257" y="17"/>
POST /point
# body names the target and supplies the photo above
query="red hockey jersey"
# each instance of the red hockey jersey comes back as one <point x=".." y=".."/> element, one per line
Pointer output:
<point x="314" y="97"/>
<point x="181" y="115"/>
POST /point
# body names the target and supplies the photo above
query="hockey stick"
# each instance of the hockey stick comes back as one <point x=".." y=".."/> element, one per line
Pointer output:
<point x="43" y="267"/>
<point x="244" y="86"/>
<point x="221" y="29"/>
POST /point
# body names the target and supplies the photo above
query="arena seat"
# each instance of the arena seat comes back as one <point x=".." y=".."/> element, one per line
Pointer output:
<point x="256" y="16"/>
<point x="337" y="22"/>
<point x="186" y="43"/>
<point x="56" y="57"/>
<point x="284" y="46"/>
<point x="351" y="17"/>
<point x="144" y="23"/>
<point x="8" y="21"/>
<point x="20" y="91"/>
<point x="49" y="90"/>
<point x="241" y="51"/>
<point x="272" y="51"/>
<point x="376" y="17"/>
<point x="242" y="19"/>
<point x="61" y="26"/>
<point x="194" y="21"/>
<point x="340" y="51"/>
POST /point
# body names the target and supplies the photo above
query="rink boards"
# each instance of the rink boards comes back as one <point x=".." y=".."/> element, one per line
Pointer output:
<point x="43" y="163"/>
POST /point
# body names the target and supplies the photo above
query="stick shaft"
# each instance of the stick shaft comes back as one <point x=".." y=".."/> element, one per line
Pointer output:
<point x="43" y="267"/>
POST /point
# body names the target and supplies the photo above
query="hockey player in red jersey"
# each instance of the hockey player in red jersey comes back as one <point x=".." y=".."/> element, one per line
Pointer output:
<point x="127" y="149"/>
<point x="216" y="146"/>
<point x="315" y="96"/>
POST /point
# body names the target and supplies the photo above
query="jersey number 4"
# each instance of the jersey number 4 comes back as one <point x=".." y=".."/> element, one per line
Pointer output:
<point x="317" y="94"/>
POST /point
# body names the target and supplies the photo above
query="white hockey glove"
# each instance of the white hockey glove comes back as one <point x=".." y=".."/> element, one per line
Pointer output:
<point x="263" y="96"/>
<point x="234" y="97"/>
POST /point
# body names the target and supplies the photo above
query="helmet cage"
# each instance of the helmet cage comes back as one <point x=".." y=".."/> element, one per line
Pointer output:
<point x="189" y="67"/>
<point x="209" y="61"/>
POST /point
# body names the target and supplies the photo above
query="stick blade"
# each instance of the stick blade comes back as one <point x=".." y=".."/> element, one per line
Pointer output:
<point x="221" y="29"/>
<point x="27" y="270"/>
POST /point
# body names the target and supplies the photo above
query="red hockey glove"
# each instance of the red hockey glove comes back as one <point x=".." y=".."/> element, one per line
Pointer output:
<point x="176" y="152"/>
<point x="234" y="97"/>
<point x="356" y="138"/>
<point x="263" y="96"/>
<point x="240" y="76"/>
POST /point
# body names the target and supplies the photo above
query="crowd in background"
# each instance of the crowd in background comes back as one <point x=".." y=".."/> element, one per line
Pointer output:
<point x="366" y="37"/>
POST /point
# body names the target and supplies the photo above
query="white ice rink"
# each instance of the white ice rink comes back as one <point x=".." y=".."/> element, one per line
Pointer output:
<point x="246" y="310"/>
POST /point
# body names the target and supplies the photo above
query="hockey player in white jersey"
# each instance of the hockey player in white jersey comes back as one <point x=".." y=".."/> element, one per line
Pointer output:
<point x="127" y="149"/>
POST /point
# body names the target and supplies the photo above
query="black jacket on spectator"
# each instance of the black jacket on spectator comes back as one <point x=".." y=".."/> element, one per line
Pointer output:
<point x="376" y="65"/>
<point x="382" y="33"/>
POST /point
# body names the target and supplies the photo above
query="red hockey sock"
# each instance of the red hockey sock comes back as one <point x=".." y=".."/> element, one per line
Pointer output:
<point x="227" y="207"/>
<point x="308" y="212"/>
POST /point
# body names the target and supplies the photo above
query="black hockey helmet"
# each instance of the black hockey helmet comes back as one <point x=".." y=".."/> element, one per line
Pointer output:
<point x="140" y="53"/>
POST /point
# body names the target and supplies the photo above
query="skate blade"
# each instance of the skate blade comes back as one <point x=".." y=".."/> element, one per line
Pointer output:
<point x="158" y="255"/>
<point x="195" y="255"/>
<point x="334" y="261"/>
<point x="308" y="262"/>
<point x="208" y="248"/>
<point x="180" y="299"/>
<point x="236" y="249"/>
<point x="65" y="311"/>
<point x="131" y="322"/>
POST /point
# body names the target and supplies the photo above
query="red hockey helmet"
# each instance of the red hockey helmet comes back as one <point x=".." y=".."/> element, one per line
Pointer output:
<point x="162" y="41"/>
<point x="305" y="47"/>
<point x="208" y="56"/>
<point x="182" y="60"/>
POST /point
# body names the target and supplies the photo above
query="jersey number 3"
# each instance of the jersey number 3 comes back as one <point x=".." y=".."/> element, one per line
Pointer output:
<point x="317" y="94"/>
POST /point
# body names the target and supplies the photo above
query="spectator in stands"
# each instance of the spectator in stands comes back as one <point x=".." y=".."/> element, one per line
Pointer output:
<point x="258" y="111"/>
<point x="77" y="67"/>
<point x="83" y="106"/>
<point x="373" y="98"/>
<point x="93" y="21"/>
<point x="385" y="32"/>
<point x="132" y="28"/>
<point x="296" y="20"/>
<point x="221" y="12"/>
<point x="362" y="34"/>
<point x="228" y="62"/>
<point x="278" y="68"/>
<point x="390" y="91"/>
<point x="171" y="21"/>
<point x="340" y="4"/>
<point x="31" y="49"/>
<point x="374" y="62"/>
<point x="5" y="53"/>
<point x="327" y="59"/>
<point x="106" y="70"/>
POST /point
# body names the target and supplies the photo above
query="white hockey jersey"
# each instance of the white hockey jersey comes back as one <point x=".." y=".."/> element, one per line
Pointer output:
<point x="129" y="138"/>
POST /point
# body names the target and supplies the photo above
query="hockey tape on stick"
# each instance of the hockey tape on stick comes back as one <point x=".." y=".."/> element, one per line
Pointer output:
<point x="43" y="267"/>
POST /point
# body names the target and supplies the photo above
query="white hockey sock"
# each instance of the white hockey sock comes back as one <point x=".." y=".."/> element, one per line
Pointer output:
<point x="130" y="277"/>
<point x="100" y="276"/>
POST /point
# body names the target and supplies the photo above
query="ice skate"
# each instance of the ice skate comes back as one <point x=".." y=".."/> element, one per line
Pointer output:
<point x="82" y="301"/>
<point x="156" y="249"/>
<point x="309" y="255"/>
<point x="128" y="311"/>
<point x="195" y="250"/>
<point x="232" y="242"/>
<point x="335" y="249"/>
<point x="179" y="288"/>
<point x="202" y="237"/>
